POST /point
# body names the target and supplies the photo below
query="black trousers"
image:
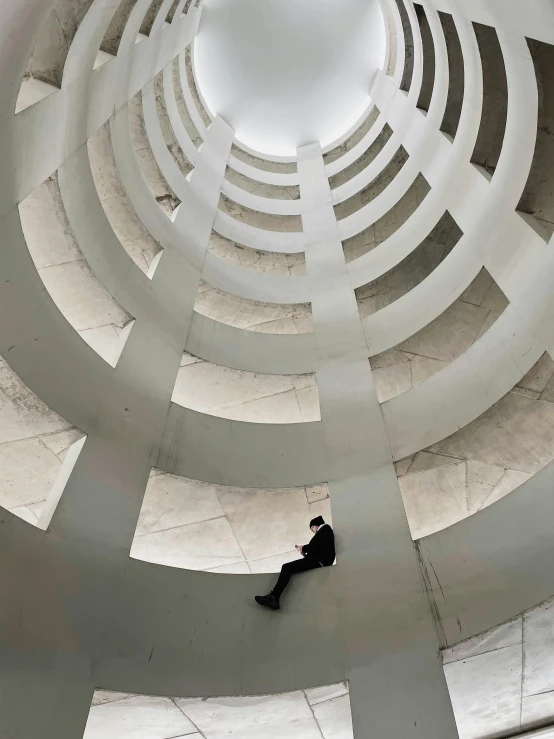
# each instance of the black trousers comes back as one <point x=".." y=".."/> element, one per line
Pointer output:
<point x="293" y="568"/>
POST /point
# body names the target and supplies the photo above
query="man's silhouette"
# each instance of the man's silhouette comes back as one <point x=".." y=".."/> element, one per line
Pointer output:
<point x="320" y="552"/>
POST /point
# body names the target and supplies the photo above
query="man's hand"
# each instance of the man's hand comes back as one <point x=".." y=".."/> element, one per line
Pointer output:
<point x="299" y="548"/>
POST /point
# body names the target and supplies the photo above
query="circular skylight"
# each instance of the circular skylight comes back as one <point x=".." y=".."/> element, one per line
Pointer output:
<point x="284" y="73"/>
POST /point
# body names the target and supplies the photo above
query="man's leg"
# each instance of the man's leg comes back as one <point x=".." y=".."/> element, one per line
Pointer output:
<point x="288" y="569"/>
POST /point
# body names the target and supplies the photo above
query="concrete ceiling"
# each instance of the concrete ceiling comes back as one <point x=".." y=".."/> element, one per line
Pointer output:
<point x="286" y="74"/>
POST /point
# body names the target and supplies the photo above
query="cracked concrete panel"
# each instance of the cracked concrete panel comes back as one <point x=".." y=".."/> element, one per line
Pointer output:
<point x="428" y="80"/>
<point x="290" y="192"/>
<point x="264" y="164"/>
<point x="538" y="642"/>
<point x="486" y="692"/>
<point x="412" y="270"/>
<point x="33" y="444"/>
<point x="456" y="74"/>
<point x="482" y="462"/>
<point x="253" y="315"/>
<point x="137" y="717"/>
<point x="114" y="32"/>
<point x="169" y="137"/>
<point x="72" y="285"/>
<point x="334" y="718"/>
<point x="363" y="161"/>
<point x="259" y="527"/>
<point x="495" y="99"/>
<point x="28" y="471"/>
<point x="386" y="226"/>
<point x="287" y="715"/>
<point x="125" y="223"/>
<point x="229" y="393"/>
<point x="172" y="502"/>
<point x="353" y="139"/>
<point x="440" y="342"/>
<point x="23" y="415"/>
<point x="286" y="514"/>
<point x="264" y="262"/>
<point x="267" y="221"/>
<point x="54" y="39"/>
<point x="375" y="187"/>
<point x="153" y="177"/>
<point x="505" y="635"/>
<point x="197" y="546"/>
<point x="538" y="196"/>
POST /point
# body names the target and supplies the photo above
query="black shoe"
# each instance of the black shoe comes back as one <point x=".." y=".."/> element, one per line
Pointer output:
<point x="269" y="601"/>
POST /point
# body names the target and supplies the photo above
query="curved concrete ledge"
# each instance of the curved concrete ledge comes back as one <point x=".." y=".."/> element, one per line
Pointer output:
<point x="179" y="129"/>
<point x="286" y="354"/>
<point x="279" y="455"/>
<point x="257" y="238"/>
<point x="259" y="203"/>
<point x="189" y="100"/>
<point x="254" y="286"/>
<point x="281" y="179"/>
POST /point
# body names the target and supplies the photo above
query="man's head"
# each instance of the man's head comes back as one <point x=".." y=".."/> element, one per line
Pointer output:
<point x="315" y="523"/>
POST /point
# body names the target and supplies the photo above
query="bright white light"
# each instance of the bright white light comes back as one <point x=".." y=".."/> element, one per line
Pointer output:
<point x="284" y="73"/>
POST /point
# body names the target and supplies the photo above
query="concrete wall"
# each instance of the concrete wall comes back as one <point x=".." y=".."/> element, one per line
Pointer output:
<point x="366" y="328"/>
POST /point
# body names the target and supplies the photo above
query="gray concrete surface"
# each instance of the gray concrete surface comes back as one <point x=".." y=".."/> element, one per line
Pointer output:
<point x="174" y="378"/>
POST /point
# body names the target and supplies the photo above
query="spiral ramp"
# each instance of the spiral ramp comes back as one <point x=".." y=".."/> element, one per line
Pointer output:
<point x="204" y="345"/>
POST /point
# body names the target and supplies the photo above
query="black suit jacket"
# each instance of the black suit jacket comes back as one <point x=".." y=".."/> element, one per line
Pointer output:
<point x="322" y="546"/>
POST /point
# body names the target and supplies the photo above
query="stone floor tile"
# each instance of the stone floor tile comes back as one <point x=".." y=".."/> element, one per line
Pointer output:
<point x="478" y="289"/>
<point x="486" y="692"/>
<point x="172" y="501"/>
<point x="335" y="718"/>
<point x="199" y="546"/>
<point x="279" y="408"/>
<point x="137" y="717"/>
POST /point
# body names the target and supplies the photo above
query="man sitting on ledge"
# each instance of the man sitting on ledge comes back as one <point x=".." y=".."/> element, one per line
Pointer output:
<point x="320" y="552"/>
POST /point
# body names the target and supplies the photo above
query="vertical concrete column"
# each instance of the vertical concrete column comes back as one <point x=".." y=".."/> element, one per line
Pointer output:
<point x="397" y="684"/>
<point x="51" y="659"/>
